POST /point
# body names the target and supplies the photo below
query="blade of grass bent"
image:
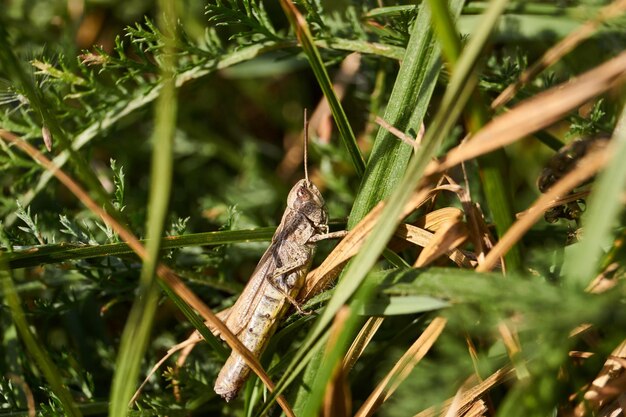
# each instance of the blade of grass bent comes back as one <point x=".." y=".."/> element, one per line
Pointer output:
<point x="405" y="111"/>
<point x="301" y="28"/>
<point x="605" y="204"/>
<point x="136" y="333"/>
<point x="34" y="348"/>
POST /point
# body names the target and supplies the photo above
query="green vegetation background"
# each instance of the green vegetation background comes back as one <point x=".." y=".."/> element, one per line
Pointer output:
<point x="243" y="84"/>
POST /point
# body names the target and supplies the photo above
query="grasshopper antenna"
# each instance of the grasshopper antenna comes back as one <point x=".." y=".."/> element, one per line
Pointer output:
<point x="306" y="146"/>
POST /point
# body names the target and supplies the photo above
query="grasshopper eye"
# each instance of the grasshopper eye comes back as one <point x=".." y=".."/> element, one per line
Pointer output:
<point x="303" y="193"/>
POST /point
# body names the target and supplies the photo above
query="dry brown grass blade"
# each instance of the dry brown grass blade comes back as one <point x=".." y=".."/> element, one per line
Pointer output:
<point x="337" y="398"/>
<point x="603" y="395"/>
<point x="166" y="274"/>
<point x="18" y="381"/>
<point x="585" y="169"/>
<point x="320" y="278"/>
<point x="414" y="234"/>
<point x="191" y="341"/>
<point x="559" y="201"/>
<point x="536" y="113"/>
<point x="579" y="355"/>
<point x="471" y="395"/>
<point x="445" y="241"/>
<point x="478" y="229"/>
<point x="423" y="238"/>
<point x="361" y="341"/>
<point x="561" y="49"/>
<point x="413" y="143"/>
<point x="403" y="368"/>
<point x="454" y="406"/>
<point x="433" y="220"/>
<point x="616" y="408"/>
<point x="603" y="282"/>
<point x="478" y="409"/>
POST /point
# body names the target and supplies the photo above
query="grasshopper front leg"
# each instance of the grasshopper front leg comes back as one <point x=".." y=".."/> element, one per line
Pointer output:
<point x="297" y="257"/>
<point x="332" y="235"/>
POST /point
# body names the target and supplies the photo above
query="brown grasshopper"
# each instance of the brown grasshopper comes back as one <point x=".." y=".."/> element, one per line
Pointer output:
<point x="277" y="279"/>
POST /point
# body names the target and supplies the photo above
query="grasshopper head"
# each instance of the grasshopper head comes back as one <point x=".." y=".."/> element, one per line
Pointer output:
<point x="305" y="198"/>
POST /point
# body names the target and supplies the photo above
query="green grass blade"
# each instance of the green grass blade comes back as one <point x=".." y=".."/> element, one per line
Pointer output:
<point x="387" y="305"/>
<point x="407" y="106"/>
<point x="317" y="65"/>
<point x="34" y="347"/>
<point x="605" y="205"/>
<point x="50" y="254"/>
<point x="137" y="330"/>
<point x="446" y="31"/>
<point x="375" y="243"/>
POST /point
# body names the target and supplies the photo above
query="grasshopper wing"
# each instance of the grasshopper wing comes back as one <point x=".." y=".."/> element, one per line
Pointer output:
<point x="251" y="295"/>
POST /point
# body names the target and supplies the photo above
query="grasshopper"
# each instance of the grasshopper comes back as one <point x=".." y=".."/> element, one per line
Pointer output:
<point x="277" y="279"/>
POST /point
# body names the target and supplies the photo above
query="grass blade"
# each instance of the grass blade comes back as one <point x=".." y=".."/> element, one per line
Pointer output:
<point x="136" y="333"/>
<point x="405" y="111"/>
<point x="317" y="381"/>
<point x="301" y="28"/>
<point x="51" y="254"/>
<point x="454" y="100"/>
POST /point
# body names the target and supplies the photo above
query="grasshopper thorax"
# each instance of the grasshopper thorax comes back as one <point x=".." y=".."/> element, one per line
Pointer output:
<point x="307" y="200"/>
